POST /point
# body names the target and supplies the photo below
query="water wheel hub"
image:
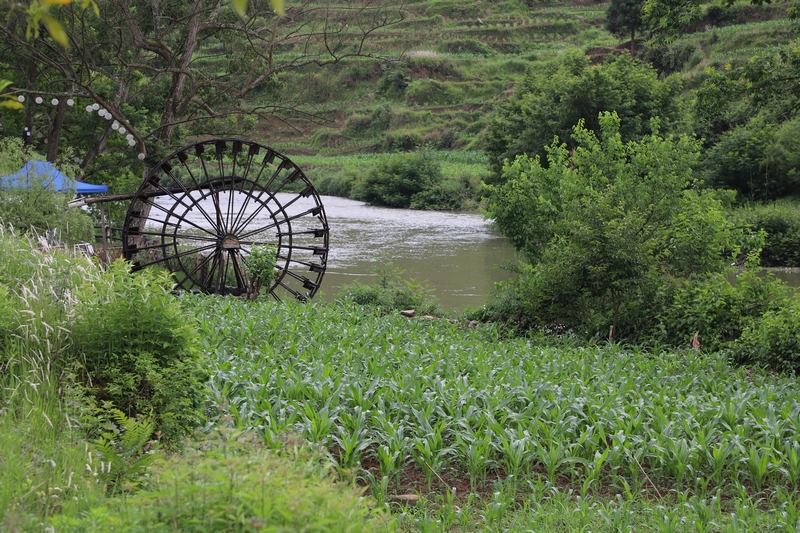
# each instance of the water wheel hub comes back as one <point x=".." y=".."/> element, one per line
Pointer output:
<point x="230" y="242"/>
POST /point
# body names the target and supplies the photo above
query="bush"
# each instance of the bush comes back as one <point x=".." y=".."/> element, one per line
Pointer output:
<point x="396" y="179"/>
<point x="780" y="221"/>
<point x="135" y="347"/>
<point x="391" y="293"/>
<point x="669" y="58"/>
<point x="773" y="342"/>
<point x="37" y="208"/>
<point x="433" y="92"/>
<point x="715" y="308"/>
<point x="230" y="483"/>
<point x="604" y="224"/>
<point x="402" y="142"/>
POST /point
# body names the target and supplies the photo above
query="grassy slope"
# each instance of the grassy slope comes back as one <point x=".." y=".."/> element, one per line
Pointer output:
<point x="477" y="51"/>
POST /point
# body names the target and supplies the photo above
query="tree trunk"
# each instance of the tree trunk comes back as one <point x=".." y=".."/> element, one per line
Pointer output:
<point x="633" y="42"/>
<point x="55" y="130"/>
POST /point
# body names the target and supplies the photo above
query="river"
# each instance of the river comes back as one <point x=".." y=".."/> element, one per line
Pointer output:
<point x="457" y="255"/>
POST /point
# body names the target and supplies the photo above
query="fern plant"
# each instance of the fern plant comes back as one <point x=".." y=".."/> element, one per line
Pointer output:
<point x="124" y="453"/>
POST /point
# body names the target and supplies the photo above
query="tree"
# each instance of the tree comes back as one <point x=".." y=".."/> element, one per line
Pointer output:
<point x="624" y="18"/>
<point x="669" y="17"/>
<point x="600" y="227"/>
<point x="749" y="118"/>
<point x="160" y="66"/>
<point x="548" y="104"/>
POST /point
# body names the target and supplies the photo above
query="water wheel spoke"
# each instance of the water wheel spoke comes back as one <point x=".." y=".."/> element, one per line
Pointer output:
<point x="181" y="221"/>
<point x="188" y="194"/>
<point x="180" y="201"/>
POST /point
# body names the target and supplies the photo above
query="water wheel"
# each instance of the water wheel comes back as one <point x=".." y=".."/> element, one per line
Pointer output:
<point x="201" y="210"/>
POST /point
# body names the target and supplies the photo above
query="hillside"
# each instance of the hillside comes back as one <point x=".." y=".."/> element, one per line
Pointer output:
<point x="448" y="64"/>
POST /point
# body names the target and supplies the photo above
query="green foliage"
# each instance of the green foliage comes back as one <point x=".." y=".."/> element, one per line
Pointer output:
<point x="122" y="447"/>
<point x="433" y="92"/>
<point x="548" y="104"/>
<point x="37" y="208"/>
<point x="395" y="181"/>
<point x="482" y="405"/>
<point x="602" y="225"/>
<point x="624" y="18"/>
<point x="749" y="118"/>
<point x="136" y="348"/>
<point x="773" y="342"/>
<point x="391" y="293"/>
<point x="233" y="482"/>
<point x="671" y="58"/>
<point x="261" y="265"/>
<point x="780" y="221"/>
<point x="715" y="308"/>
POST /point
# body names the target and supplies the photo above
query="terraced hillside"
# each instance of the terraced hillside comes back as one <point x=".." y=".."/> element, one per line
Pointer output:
<point x="436" y="75"/>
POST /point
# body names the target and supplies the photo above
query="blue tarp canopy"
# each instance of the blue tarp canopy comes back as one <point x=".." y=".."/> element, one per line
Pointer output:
<point x="43" y="172"/>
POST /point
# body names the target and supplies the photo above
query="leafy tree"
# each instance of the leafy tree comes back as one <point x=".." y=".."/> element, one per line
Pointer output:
<point x="399" y="180"/>
<point x="624" y="18"/>
<point x="600" y="227"/>
<point x="749" y="117"/>
<point x="549" y="104"/>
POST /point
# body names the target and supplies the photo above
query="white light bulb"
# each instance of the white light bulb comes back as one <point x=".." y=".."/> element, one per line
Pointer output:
<point x="108" y="116"/>
<point x="89" y="109"/>
<point x="70" y="102"/>
<point x="115" y="125"/>
<point x="122" y="130"/>
<point x="95" y="106"/>
<point x="38" y="99"/>
<point x="54" y="101"/>
<point x="129" y="136"/>
<point x="131" y="142"/>
<point x="141" y="157"/>
<point x="20" y="98"/>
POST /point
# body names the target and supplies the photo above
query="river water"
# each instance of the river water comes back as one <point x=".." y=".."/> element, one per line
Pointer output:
<point x="455" y="254"/>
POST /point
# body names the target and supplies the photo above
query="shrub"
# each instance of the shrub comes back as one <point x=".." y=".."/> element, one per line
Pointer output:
<point x="433" y="92"/>
<point x="773" y="342"/>
<point x="715" y="308"/>
<point x="602" y="225"/>
<point x="261" y="266"/>
<point x="393" y="84"/>
<point x="135" y="347"/>
<point x="391" y="293"/>
<point x="396" y="179"/>
<point x="236" y="483"/>
<point x="780" y="222"/>
<point x="402" y="142"/>
<point x="447" y="195"/>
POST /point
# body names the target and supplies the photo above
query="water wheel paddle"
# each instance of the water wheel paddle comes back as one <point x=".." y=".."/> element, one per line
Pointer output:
<point x="200" y="211"/>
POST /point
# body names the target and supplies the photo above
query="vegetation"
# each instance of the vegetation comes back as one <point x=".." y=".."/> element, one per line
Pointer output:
<point x="549" y="106"/>
<point x="626" y="225"/>
<point x="34" y="207"/>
